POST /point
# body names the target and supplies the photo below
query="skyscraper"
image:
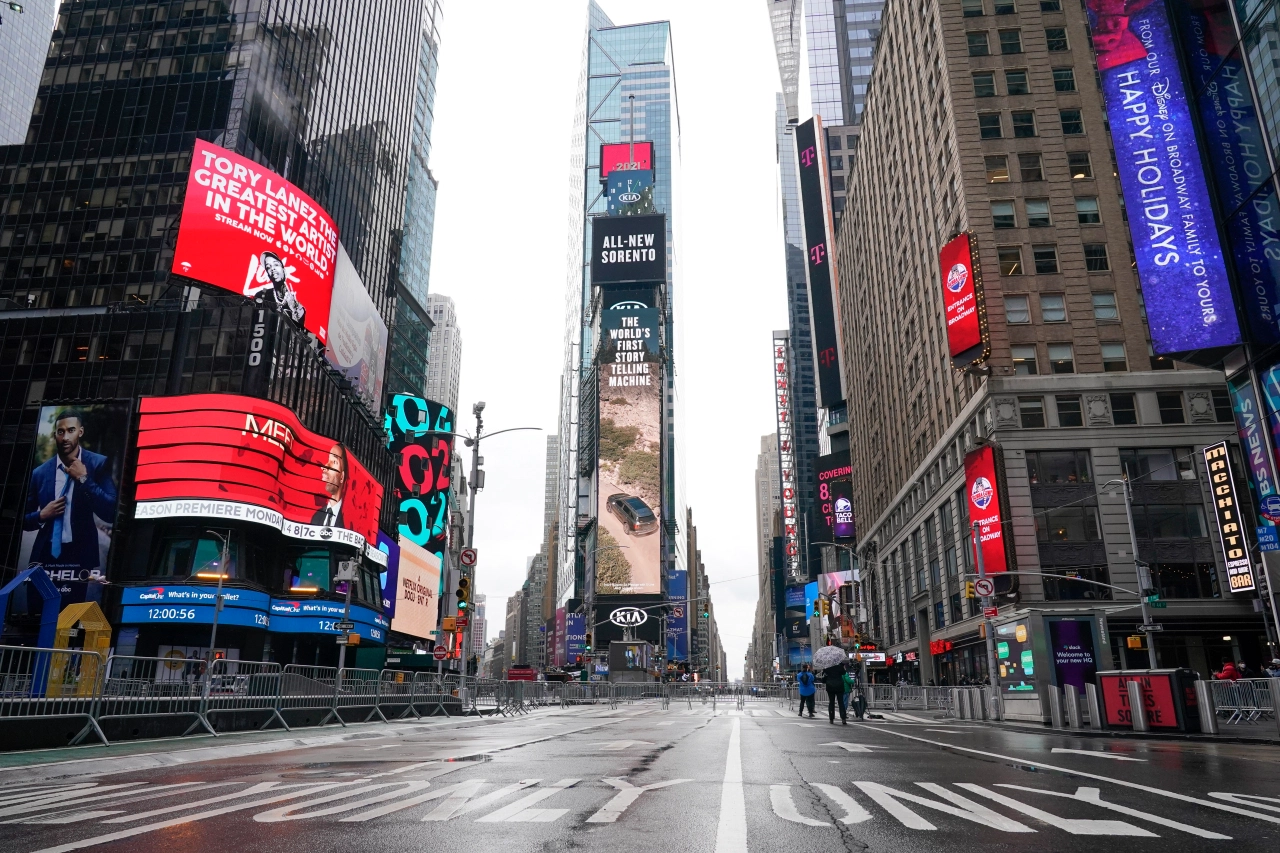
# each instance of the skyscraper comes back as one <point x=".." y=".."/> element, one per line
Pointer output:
<point x="444" y="370"/>
<point x="24" y="44"/>
<point x="479" y="628"/>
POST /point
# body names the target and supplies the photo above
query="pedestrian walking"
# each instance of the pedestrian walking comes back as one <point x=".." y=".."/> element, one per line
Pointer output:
<point x="1228" y="672"/>
<point x="1273" y="670"/>
<point x="808" y="686"/>
<point x="833" y="677"/>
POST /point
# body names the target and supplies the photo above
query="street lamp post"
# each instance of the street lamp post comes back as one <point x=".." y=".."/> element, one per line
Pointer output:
<point x="1144" y="581"/>
<point x="997" y="710"/>
<point x="217" y="598"/>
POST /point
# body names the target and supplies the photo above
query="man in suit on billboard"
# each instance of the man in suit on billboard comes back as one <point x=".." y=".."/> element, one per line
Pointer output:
<point x="65" y="494"/>
<point x="335" y="485"/>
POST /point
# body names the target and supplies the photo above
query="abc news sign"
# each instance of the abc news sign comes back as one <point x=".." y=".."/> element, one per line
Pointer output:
<point x="629" y="249"/>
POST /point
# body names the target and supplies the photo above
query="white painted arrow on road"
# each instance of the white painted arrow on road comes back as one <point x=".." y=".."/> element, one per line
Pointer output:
<point x="851" y="747"/>
<point x="1097" y="754"/>
<point x="619" y="745"/>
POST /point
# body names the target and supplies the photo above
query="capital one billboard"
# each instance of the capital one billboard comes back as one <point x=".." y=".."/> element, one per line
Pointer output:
<point x="1171" y="219"/>
<point x="982" y="491"/>
<point x="962" y="300"/>
<point x="247" y="230"/>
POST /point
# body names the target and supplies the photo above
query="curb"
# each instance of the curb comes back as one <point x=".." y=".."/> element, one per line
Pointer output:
<point x="1120" y="733"/>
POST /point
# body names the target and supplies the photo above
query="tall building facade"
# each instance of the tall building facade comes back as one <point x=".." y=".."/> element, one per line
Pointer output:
<point x="479" y="628"/>
<point x="768" y="504"/>
<point x="985" y="118"/>
<point x="444" y="370"/>
<point x="24" y="42"/>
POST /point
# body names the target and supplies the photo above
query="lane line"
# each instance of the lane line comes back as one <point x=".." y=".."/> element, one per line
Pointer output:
<point x="731" y="836"/>
<point x="1095" y="753"/>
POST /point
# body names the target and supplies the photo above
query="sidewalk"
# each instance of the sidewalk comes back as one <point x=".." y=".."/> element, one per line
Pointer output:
<point x="1261" y="732"/>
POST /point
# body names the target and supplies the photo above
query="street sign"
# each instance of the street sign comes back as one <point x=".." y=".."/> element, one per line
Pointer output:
<point x="468" y="557"/>
<point x="984" y="587"/>
<point x="1158" y="604"/>
<point x="1271" y="507"/>
<point x="344" y="626"/>
<point x="1269" y="537"/>
<point x="990" y="612"/>
<point x="460" y="622"/>
<point x="440" y="653"/>
<point x="1149" y="628"/>
<point x="1150" y="599"/>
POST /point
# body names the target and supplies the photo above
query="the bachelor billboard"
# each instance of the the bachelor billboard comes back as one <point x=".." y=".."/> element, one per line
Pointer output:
<point x="233" y="458"/>
<point x="962" y="301"/>
<point x="1171" y="220"/>
<point x="628" y="249"/>
<point x="982" y="488"/>
<point x="247" y="230"/>
<point x="419" y="433"/>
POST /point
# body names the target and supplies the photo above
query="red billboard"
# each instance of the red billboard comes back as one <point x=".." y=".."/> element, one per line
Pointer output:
<point x="224" y="456"/>
<point x="982" y="487"/>
<point x="962" y="299"/>
<point x="248" y="230"/>
<point x="628" y="156"/>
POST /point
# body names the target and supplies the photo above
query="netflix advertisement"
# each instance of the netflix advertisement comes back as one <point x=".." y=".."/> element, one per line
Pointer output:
<point x="962" y="300"/>
<point x="981" y="485"/>
<point x="233" y="458"/>
<point x="247" y="230"/>
<point x="625" y="157"/>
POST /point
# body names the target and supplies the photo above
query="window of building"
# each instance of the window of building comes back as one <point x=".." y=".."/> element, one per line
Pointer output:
<point x="1050" y="5"/>
<point x="1123" y="410"/>
<point x="833" y="142"/>
<point x="1053" y="308"/>
<point x="1048" y="467"/>
<point x="1046" y="260"/>
<point x="1069" y="412"/>
<point x="1024" y="360"/>
<point x="1010" y="41"/>
<point x="1064" y="80"/>
<point x="1095" y="257"/>
<point x="1186" y="580"/>
<point x="1030" y="168"/>
<point x="989" y="126"/>
<point x="1158" y="362"/>
<point x="1010" y="259"/>
<point x="1158" y="464"/>
<point x="1016" y="82"/>
<point x="1087" y="212"/>
<point x="939" y="612"/>
<point x="837" y="182"/>
<point x="1031" y="412"/>
<point x="1068" y="524"/>
<point x="1055" y="38"/>
<point x="1017" y="309"/>
<point x="1003" y="215"/>
<point x="1169" y="521"/>
<point x="984" y="84"/>
<point x="1079" y="166"/>
<point x="978" y="45"/>
<point x="1024" y="123"/>
<point x="308" y="569"/>
<point x="1072" y="122"/>
<point x="837" y="163"/>
<point x="972" y="8"/>
<point x="997" y="169"/>
<point x="1170" y="404"/>
<point x="957" y="609"/>
<point x="1038" y="213"/>
<point x="1222" y="407"/>
<point x="1113" y="358"/>
<point x="1004" y="7"/>
<point x="1104" y="306"/>
<point x="1061" y="359"/>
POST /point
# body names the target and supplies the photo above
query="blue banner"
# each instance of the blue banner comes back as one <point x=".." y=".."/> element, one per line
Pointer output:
<point x="193" y="614"/>
<point x="1253" y="441"/>
<point x="182" y="594"/>
<point x="576" y="635"/>
<point x="390" y="575"/>
<point x="302" y="616"/>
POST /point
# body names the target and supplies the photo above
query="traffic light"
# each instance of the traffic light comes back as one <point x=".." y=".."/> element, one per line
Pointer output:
<point x="706" y="612"/>
<point x="588" y="641"/>
<point x="464" y="593"/>
<point x="969" y="591"/>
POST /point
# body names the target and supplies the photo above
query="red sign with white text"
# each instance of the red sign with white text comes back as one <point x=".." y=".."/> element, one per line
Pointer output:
<point x="1157" y="698"/>
<point x="247" y="230"/>
<point x="984" y="507"/>
<point x="223" y="456"/>
<point x="960" y="295"/>
<point x="629" y="156"/>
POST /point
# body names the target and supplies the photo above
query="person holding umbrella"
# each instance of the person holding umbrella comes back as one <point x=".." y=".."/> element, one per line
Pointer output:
<point x="830" y="659"/>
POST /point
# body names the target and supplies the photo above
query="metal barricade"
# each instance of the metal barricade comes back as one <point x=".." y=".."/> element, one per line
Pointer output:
<point x="310" y="688"/>
<point x="358" y="688"/>
<point x="133" y="687"/>
<point x="51" y="683"/>
<point x="1245" y="701"/>
<point x="241" y="687"/>
<point x="396" y="690"/>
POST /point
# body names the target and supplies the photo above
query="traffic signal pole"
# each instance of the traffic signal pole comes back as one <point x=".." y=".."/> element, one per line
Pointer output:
<point x="477" y="479"/>
<point x="997" y="710"/>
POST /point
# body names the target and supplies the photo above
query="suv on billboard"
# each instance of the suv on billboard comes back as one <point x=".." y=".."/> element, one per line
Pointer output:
<point x="634" y="513"/>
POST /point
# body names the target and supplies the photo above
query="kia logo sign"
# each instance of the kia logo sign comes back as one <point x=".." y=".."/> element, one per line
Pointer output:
<point x="629" y="617"/>
<point x="956" y="278"/>
<point x="981" y="492"/>
<point x="629" y="198"/>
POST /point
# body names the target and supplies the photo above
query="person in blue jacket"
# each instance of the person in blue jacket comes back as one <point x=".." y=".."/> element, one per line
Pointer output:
<point x="808" y="686"/>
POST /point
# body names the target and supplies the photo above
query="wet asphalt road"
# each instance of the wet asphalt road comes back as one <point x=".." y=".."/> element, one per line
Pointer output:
<point x="641" y="778"/>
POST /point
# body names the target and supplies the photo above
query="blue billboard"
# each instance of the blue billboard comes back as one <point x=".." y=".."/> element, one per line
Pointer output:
<point x="1251" y="426"/>
<point x="193" y="605"/>
<point x="303" y="616"/>
<point x="576" y="635"/>
<point x="1175" y="234"/>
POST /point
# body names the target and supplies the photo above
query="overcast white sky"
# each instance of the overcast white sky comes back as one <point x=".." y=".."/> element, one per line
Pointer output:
<point x="504" y="108"/>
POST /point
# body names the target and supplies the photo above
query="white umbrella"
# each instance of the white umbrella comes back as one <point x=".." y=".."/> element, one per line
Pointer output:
<point x="828" y="656"/>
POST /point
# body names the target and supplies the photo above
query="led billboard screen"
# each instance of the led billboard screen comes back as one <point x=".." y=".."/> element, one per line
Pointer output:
<point x="820" y="261"/>
<point x="247" y="230"/>
<point x="227" y="457"/>
<point x="417" y="592"/>
<point x="629" y="193"/>
<point x="629" y="540"/>
<point x="624" y="157"/>
<point x="389" y="577"/>
<point x="1230" y="518"/>
<point x="982" y="487"/>
<point x="1171" y="220"/>
<point x="357" y="335"/>
<point x="418" y="434"/>
<point x="833" y="477"/>
<point x="1250" y="423"/>
<point x="786" y="455"/>
<point x="628" y="249"/>
<point x="962" y="301"/>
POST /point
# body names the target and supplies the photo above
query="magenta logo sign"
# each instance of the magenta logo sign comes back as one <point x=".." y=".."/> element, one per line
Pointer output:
<point x="957" y="277"/>
<point x="981" y="493"/>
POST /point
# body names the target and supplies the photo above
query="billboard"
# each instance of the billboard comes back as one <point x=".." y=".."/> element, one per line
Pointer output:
<point x="234" y="458"/>
<point x="417" y="592"/>
<point x="820" y="261"/>
<point x="357" y="335"/>
<point x="982" y="485"/>
<point x="1231" y="526"/>
<point x="575" y="625"/>
<point x="628" y="539"/>
<point x="1250" y="425"/>
<point x="625" y="157"/>
<point x="389" y="577"/>
<point x="786" y="455"/>
<point x="72" y="490"/>
<point x="1015" y="659"/>
<point x="1171" y="220"/>
<point x="194" y="605"/>
<point x="418" y="433"/>
<point x="629" y="193"/>
<point x="833" y="476"/>
<point x="962" y="301"/>
<point x="247" y="230"/>
<point x="628" y="249"/>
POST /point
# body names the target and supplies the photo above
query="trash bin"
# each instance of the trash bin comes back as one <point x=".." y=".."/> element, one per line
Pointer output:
<point x="1169" y="696"/>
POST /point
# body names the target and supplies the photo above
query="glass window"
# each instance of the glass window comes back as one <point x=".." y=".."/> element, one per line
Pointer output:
<point x="1031" y="412"/>
<point x="1158" y="464"/>
<point x="1024" y="123"/>
<point x="1002" y="214"/>
<point x="1087" y="211"/>
<point x="984" y="84"/>
<point x="1222" y="406"/>
<point x="1055" y="38"/>
<point x="1069" y="412"/>
<point x="978" y="44"/>
<point x="1064" y="80"/>
<point x="1047" y="467"/>
<point x="833" y="142"/>
<point x="1053" y="308"/>
<point x="1186" y="580"/>
<point x="972" y="8"/>
<point x="1095" y="257"/>
<point x="1104" y="306"/>
<point x="1158" y="362"/>
<point x="1024" y="360"/>
<point x="1038" y="213"/>
<point x="1123" y="410"/>
<point x="1170" y="403"/>
<point x="1011" y="41"/>
<point x="1030" y="168"/>
<point x="1017" y="309"/>
<point x="837" y="163"/>
<point x="1046" y="260"/>
<point x="175" y="557"/>
<point x="1010" y="260"/>
<point x="1113" y="358"/>
<point x="1072" y="122"/>
<point x="939" y="610"/>
<point x="989" y="126"/>
<point x="1016" y="82"/>
<point x="1050" y="5"/>
<point x="1061" y="359"/>
<point x="1068" y="524"/>
<point x="1004" y="7"/>
<point x="997" y="169"/>
<point x="1079" y="166"/>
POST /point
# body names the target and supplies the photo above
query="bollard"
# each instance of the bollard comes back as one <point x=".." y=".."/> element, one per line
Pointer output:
<point x="978" y="697"/>
<point x="957" y="703"/>
<point x="895" y="698"/>
<point x="1137" y="710"/>
<point x="1055" y="706"/>
<point x="1208" y="708"/>
<point x="1071" y="703"/>
<point x="1095" y="709"/>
